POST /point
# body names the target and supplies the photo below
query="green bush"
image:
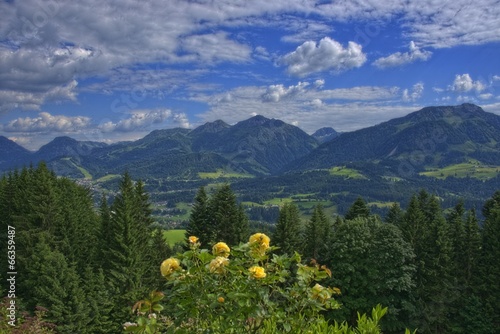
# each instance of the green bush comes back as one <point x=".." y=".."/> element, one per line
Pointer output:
<point x="246" y="289"/>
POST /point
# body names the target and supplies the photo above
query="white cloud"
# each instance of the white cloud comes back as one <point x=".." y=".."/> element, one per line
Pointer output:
<point x="461" y="22"/>
<point x="46" y="45"/>
<point x="414" y="94"/>
<point x="304" y="30"/>
<point x="464" y="83"/>
<point x="217" y="47"/>
<point x="485" y="96"/>
<point x="46" y="122"/>
<point x="308" y="104"/>
<point x="327" y="55"/>
<point x="399" y="59"/>
<point x="275" y="93"/>
<point x="139" y="119"/>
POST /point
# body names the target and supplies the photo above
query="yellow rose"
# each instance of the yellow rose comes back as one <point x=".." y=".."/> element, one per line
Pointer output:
<point x="259" y="243"/>
<point x="260" y="239"/>
<point x="221" y="249"/>
<point x="193" y="239"/>
<point x="220" y="299"/>
<point x="169" y="266"/>
<point x="257" y="272"/>
<point x="217" y="265"/>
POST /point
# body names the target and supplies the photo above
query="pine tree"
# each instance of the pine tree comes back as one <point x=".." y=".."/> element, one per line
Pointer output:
<point x="242" y="227"/>
<point x="160" y="250"/>
<point x="489" y="269"/>
<point x="438" y="293"/>
<point x="228" y="223"/>
<point x="199" y="219"/>
<point x="317" y="235"/>
<point x="56" y="286"/>
<point x="126" y="264"/>
<point x="472" y="249"/>
<point x="288" y="233"/>
<point x="99" y="303"/>
<point x="395" y="216"/>
<point x="358" y="209"/>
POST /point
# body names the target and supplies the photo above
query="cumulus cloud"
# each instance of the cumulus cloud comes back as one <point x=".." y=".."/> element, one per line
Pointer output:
<point x="327" y="55"/>
<point x="414" y="94"/>
<point x="464" y="83"/>
<point x="46" y="122"/>
<point x="399" y="59"/>
<point x="275" y="93"/>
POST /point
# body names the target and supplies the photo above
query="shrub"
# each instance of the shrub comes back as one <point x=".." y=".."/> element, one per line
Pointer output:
<point x="246" y="289"/>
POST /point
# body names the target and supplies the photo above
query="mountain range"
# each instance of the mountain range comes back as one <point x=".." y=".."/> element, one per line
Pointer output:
<point x="433" y="137"/>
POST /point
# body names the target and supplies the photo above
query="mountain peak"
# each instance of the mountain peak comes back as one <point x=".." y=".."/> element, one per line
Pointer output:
<point x="259" y="120"/>
<point x="325" y="134"/>
<point x="211" y="127"/>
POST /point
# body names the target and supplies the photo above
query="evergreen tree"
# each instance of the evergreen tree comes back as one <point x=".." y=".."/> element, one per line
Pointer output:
<point x="242" y="227"/>
<point x="358" y="209"/>
<point x="395" y="216"/>
<point x="228" y="223"/>
<point x="160" y="250"/>
<point x="56" y="286"/>
<point x="106" y="232"/>
<point x="199" y="219"/>
<point x="99" y="303"/>
<point x="489" y="269"/>
<point x="288" y="233"/>
<point x="472" y="249"/>
<point x="317" y="235"/>
<point x="126" y="264"/>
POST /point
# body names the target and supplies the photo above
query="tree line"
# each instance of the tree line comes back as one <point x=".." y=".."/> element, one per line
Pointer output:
<point x="436" y="271"/>
<point x="87" y="266"/>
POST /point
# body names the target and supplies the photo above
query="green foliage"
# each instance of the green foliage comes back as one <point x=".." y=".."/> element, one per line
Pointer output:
<point x="199" y="218"/>
<point x="358" y="209"/>
<point x="489" y="269"/>
<point x="372" y="264"/>
<point x="25" y="323"/>
<point x="288" y="233"/>
<point x="218" y="217"/>
<point x="246" y="289"/>
<point x="317" y="235"/>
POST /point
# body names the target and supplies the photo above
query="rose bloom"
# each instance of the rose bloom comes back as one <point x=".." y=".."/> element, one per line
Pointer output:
<point x="217" y="265"/>
<point x="257" y="272"/>
<point x="221" y="249"/>
<point x="169" y="266"/>
<point x="193" y="239"/>
<point x="260" y="239"/>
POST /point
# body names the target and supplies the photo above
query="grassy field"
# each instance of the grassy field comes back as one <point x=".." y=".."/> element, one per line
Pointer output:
<point x="222" y="174"/>
<point x="347" y="173"/>
<point x="472" y="169"/>
<point x="108" y="177"/>
<point x="174" y="236"/>
<point x="278" y="201"/>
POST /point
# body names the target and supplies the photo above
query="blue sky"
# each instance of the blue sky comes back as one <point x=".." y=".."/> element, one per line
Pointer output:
<point x="116" y="70"/>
